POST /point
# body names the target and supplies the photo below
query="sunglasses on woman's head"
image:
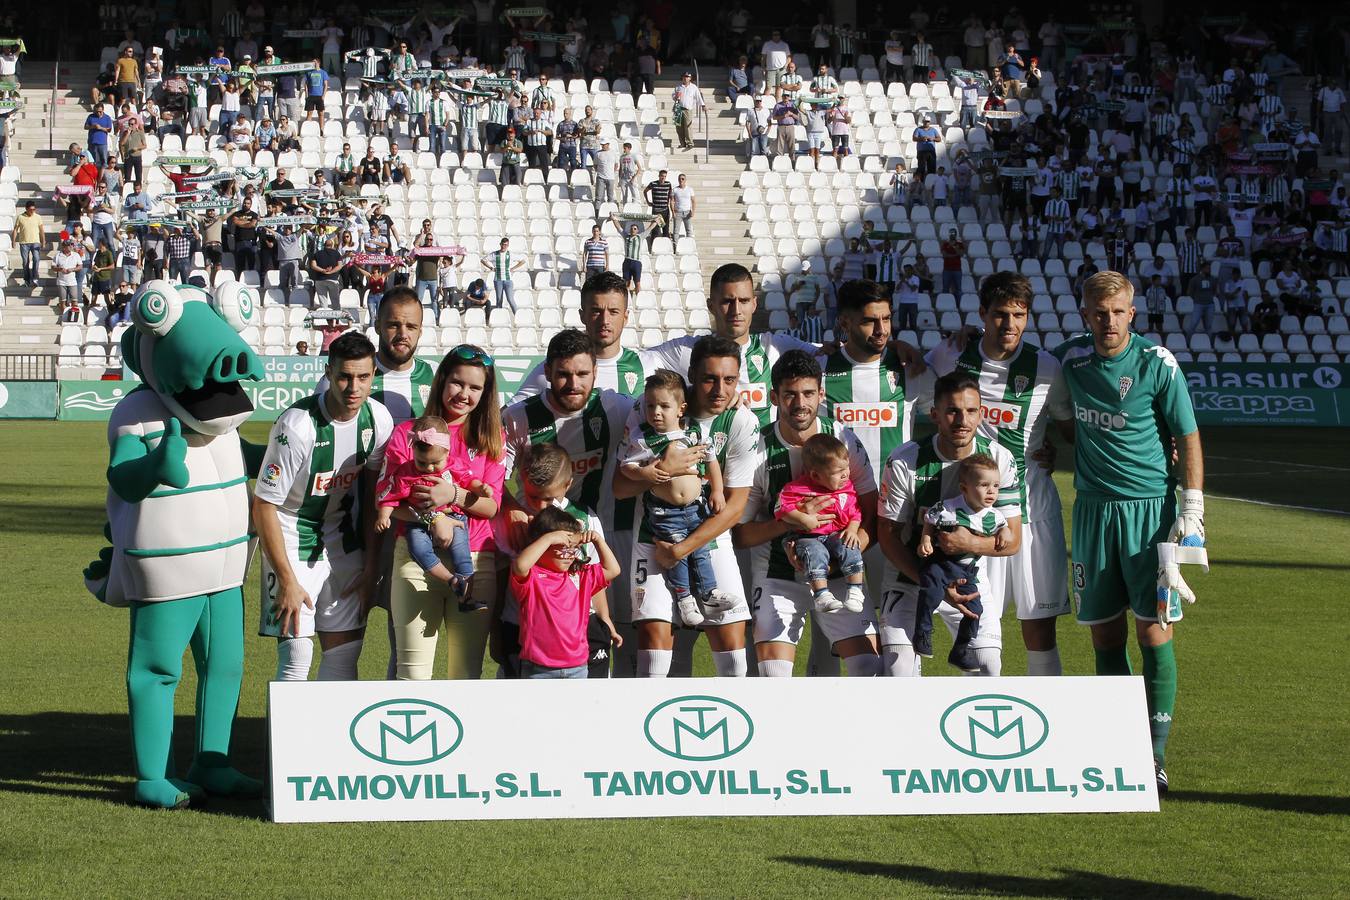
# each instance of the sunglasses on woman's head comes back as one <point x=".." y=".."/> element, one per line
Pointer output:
<point x="472" y="354"/>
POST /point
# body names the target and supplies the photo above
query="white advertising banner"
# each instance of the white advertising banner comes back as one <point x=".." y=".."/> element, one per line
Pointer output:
<point x="383" y="750"/>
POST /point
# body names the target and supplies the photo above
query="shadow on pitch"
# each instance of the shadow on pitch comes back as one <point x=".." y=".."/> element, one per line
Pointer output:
<point x="87" y="756"/>
<point x="1317" y="805"/>
<point x="43" y="518"/>
<point x="1068" y="883"/>
<point x="1281" y="564"/>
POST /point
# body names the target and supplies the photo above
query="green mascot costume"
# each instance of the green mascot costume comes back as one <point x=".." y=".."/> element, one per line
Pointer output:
<point x="179" y="524"/>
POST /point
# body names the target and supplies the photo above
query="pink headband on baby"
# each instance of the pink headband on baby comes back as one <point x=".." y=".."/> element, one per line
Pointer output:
<point x="432" y="437"/>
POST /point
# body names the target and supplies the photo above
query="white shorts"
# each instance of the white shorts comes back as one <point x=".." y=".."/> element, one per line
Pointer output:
<point x="324" y="581"/>
<point x="779" y="609"/>
<point x="818" y="140"/>
<point x="900" y="605"/>
<point x="652" y="600"/>
<point x="1036" y="578"/>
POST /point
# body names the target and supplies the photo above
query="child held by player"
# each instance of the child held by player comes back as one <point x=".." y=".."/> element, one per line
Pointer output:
<point x="430" y="439"/>
<point x="554" y="586"/>
<point x="834" y="540"/>
<point x="971" y="509"/>
<point x="544" y="476"/>
<point x="675" y="505"/>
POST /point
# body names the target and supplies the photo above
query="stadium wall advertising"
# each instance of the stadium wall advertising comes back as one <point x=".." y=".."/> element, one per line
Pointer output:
<point x="27" y="399"/>
<point x="1223" y="393"/>
<point x="372" y="750"/>
<point x="289" y="379"/>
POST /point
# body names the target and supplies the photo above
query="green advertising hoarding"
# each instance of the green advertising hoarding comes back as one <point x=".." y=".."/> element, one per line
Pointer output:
<point x="289" y="379"/>
<point x="27" y="399"/>
<point x="1269" y="393"/>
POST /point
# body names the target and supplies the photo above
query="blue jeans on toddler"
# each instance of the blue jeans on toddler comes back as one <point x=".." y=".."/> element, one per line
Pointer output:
<point x="423" y="552"/>
<point x="938" y="571"/>
<point x="534" y="670"/>
<point x="674" y="524"/>
<point x="818" y="551"/>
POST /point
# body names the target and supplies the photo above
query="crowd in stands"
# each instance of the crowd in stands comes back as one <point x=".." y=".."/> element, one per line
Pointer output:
<point x="375" y="153"/>
<point x="924" y="156"/>
<point x="1170" y="157"/>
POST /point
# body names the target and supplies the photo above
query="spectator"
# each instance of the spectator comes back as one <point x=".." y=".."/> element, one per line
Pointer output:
<point x="316" y="83"/>
<point x="67" y="265"/>
<point x="302" y="348"/>
<point x="180" y="255"/>
<point x="595" y="253"/>
<point x="1232" y="302"/>
<point x="591" y="144"/>
<point x="682" y="204"/>
<point x="606" y="169"/>
<point x="324" y="265"/>
<point x="30" y="234"/>
<point x="568" y="134"/>
<point x="738" y="80"/>
<point x="632" y="253"/>
<point x="1265" y="317"/>
<point x="688" y="105"/>
<point x="1155" y="301"/>
<point x="513" y="152"/>
<point x="839" y="119"/>
<point x="953" y="259"/>
<point x="774" y="56"/>
<point x="101" y="286"/>
<point x="500" y="264"/>
<point x="396" y="169"/>
<point x="927" y="138"/>
<point x="893" y="58"/>
<point x="539" y="141"/>
<point x="128" y="73"/>
<point x="98" y="125"/>
<point x="757" y="122"/>
<point x="785" y="114"/>
<point x="906" y="300"/>
<point x="658" y="196"/>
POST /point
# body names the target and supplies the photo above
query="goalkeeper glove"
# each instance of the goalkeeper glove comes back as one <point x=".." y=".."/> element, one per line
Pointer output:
<point x="1189" y="528"/>
<point x="1172" y="588"/>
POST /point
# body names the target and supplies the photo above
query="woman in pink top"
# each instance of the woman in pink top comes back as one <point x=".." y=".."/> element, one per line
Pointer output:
<point x="464" y="394"/>
<point x="825" y="467"/>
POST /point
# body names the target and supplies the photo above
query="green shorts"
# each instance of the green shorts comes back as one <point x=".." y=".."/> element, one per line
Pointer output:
<point x="1115" y="556"/>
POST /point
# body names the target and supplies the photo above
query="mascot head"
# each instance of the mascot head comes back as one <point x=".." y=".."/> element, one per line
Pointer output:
<point x="186" y="347"/>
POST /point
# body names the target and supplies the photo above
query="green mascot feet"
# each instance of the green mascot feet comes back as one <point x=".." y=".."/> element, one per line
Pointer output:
<point x="178" y="523"/>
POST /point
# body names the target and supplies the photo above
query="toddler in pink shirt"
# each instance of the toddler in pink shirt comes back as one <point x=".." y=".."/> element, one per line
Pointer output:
<point x="834" y="539"/>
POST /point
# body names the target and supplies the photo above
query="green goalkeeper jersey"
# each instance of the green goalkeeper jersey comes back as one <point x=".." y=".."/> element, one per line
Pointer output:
<point x="1127" y="408"/>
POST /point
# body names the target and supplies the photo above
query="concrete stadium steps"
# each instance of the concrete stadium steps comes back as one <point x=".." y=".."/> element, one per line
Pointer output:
<point x="30" y="323"/>
<point x="719" y="222"/>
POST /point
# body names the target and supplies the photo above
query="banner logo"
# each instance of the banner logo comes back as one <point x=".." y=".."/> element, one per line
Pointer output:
<point x="406" y="732"/>
<point x="994" y="726"/>
<point x="699" y="728"/>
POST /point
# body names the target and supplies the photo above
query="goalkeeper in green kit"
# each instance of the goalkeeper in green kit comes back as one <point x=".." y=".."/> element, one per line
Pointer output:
<point x="1131" y="406"/>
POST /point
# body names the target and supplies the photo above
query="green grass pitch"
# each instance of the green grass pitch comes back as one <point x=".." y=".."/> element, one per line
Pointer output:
<point x="1261" y="790"/>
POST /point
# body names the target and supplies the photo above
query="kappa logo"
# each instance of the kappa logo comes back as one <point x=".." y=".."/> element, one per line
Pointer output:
<point x="406" y="732"/>
<point x="282" y="440"/>
<point x="1020" y="384"/>
<point x="994" y="726"/>
<point x="1126" y="382"/>
<point x="698" y="728"/>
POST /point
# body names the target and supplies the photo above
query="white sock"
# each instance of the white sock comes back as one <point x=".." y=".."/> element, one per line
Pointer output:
<point x="730" y="663"/>
<point x="863" y="665"/>
<point x="1044" y="662"/>
<point x="293" y="658"/>
<point x="775" y="668"/>
<point x="653" y="663"/>
<point x="899" y="661"/>
<point x="991" y="661"/>
<point x="339" y="663"/>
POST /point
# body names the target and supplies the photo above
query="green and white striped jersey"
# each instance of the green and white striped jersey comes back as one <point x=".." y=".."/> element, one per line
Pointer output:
<point x="955" y="512"/>
<point x="312" y="472"/>
<point x="1018" y="399"/>
<point x="758" y="354"/>
<point x="625" y="374"/>
<point x="877" y="399"/>
<point x="590" y="436"/>
<point x="918" y="476"/>
<point x="783" y="464"/>
<point x="404" y="394"/>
